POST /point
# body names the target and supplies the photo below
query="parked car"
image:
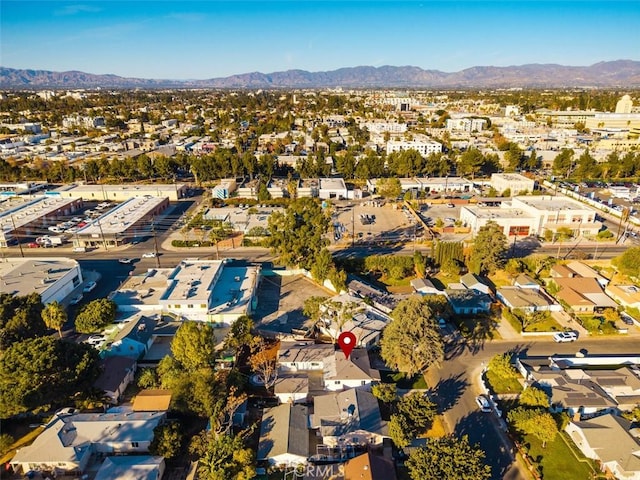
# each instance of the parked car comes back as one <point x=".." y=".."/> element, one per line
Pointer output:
<point x="483" y="403"/>
<point x="95" y="339"/>
<point x="33" y="245"/>
<point x="149" y="255"/>
<point x="563" y="337"/>
<point x="126" y="261"/>
<point x="76" y="300"/>
<point x="89" y="287"/>
<point x="626" y="319"/>
<point x="79" y="249"/>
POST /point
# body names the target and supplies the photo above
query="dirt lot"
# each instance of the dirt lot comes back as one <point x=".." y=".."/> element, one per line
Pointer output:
<point x="280" y="302"/>
<point x="387" y="222"/>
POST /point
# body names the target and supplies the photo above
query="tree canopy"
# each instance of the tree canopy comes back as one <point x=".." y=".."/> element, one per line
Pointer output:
<point x="488" y="249"/>
<point x="411" y="341"/>
<point x="445" y="458"/>
<point x="95" y="315"/>
<point x="222" y="457"/>
<point x="297" y="235"/>
<point x="20" y="318"/>
<point x="193" y="345"/>
<point x="629" y="262"/>
<point x="44" y="371"/>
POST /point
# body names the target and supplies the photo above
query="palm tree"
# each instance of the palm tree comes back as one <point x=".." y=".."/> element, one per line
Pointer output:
<point x="54" y="316"/>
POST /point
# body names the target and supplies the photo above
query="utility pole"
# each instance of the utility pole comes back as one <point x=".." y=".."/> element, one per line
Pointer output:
<point x="13" y="222"/>
<point x="104" y="242"/>
<point x="353" y="225"/>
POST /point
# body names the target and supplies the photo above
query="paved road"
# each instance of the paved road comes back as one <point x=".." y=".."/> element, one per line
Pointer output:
<point x="456" y="386"/>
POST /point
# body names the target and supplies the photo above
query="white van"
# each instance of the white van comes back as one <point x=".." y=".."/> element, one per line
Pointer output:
<point x="79" y="249"/>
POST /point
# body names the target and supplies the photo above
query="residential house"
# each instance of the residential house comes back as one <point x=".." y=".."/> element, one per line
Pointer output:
<point x="369" y="467"/>
<point x="297" y="356"/>
<point x="152" y="400"/>
<point x="525" y="281"/>
<point x="69" y="440"/>
<point x="284" y="435"/>
<point x="292" y="388"/>
<point x="365" y="322"/>
<point x="134" y="340"/>
<point x="348" y="417"/>
<point x="612" y="441"/>
<point x="583" y="391"/>
<point x="425" y="286"/>
<point x="117" y="374"/>
<point x="134" y="467"/>
<point x="353" y="372"/>
<point x="577" y="269"/>
<point x="583" y="295"/>
<point x="476" y="282"/>
<point x="527" y="299"/>
<point x="468" y="301"/>
<point x="627" y="295"/>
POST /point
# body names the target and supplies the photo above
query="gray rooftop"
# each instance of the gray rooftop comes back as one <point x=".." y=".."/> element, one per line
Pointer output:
<point x="21" y="276"/>
<point x="123" y="216"/>
<point x="339" y="413"/>
<point x="284" y="429"/>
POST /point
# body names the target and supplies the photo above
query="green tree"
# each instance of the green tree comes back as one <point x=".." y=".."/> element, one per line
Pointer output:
<point x="95" y="315"/>
<point x="399" y="430"/>
<point x="44" y="371"/>
<point x="446" y="458"/>
<point x="418" y="410"/>
<point x="54" y="317"/>
<point x="563" y="162"/>
<point x="194" y="345"/>
<point x="6" y="442"/>
<point x="167" y="440"/>
<point x="20" y="318"/>
<point x="298" y="234"/>
<point x="411" y="342"/>
<point x="322" y="265"/>
<point x="311" y="307"/>
<point x="488" y="249"/>
<point x="148" y="378"/>
<point x="385" y="392"/>
<point x="239" y="334"/>
<point x="534" y="421"/>
<point x="502" y="367"/>
<point x="629" y="262"/>
<point x="389" y="187"/>
<point x="534" y="397"/>
<point x="222" y="457"/>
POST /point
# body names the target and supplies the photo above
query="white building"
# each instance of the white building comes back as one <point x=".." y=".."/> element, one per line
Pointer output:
<point x="514" y="182"/>
<point x="53" y="278"/>
<point x="466" y="124"/>
<point x="624" y="105"/>
<point x="382" y="127"/>
<point x="200" y="290"/>
<point x="121" y="193"/>
<point x="225" y="188"/>
<point x="69" y="440"/>
<point x="332" y="188"/>
<point x="423" y="147"/>
<point x="533" y="215"/>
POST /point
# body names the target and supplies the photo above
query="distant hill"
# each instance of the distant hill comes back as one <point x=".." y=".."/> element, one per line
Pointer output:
<point x="619" y="73"/>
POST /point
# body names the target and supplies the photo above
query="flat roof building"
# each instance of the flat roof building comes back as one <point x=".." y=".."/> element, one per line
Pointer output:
<point x="121" y="193"/>
<point x="121" y="224"/>
<point x="514" y="182"/>
<point x="53" y="278"/>
<point x="533" y="215"/>
<point x="201" y="290"/>
<point x="31" y="217"/>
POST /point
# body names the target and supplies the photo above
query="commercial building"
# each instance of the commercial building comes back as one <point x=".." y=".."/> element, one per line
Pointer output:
<point x="430" y="184"/>
<point x="121" y="193"/>
<point x="53" y="278"/>
<point x="33" y="216"/>
<point x="533" y="215"/>
<point x="466" y="124"/>
<point x="120" y="225"/>
<point x="332" y="188"/>
<point x="423" y="147"/>
<point x="514" y="182"/>
<point x="225" y="188"/>
<point x="201" y="290"/>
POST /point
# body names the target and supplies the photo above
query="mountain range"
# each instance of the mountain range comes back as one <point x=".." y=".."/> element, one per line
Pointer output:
<point x="618" y="73"/>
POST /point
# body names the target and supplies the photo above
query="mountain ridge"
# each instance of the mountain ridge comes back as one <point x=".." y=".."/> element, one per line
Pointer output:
<point x="606" y="74"/>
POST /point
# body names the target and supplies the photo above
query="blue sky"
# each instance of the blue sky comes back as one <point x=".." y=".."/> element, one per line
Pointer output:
<point x="209" y="38"/>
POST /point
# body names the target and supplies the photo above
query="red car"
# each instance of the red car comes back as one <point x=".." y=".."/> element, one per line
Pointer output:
<point x="33" y="245"/>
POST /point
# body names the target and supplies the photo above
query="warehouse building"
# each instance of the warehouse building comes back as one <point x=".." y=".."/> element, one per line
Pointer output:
<point x="121" y="193"/>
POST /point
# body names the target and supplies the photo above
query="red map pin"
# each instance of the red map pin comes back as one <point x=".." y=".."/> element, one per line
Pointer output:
<point x="347" y="342"/>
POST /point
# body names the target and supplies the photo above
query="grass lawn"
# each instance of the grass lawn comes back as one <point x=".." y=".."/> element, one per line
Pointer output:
<point x="557" y="461"/>
<point x="546" y="325"/>
<point x="401" y="381"/>
<point x="501" y="279"/>
<point x="500" y="385"/>
<point x="437" y="429"/>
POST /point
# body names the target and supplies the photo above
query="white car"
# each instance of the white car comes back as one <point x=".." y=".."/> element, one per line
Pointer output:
<point x="125" y="261"/>
<point x="95" y="339"/>
<point x="483" y="403"/>
<point x="149" y="255"/>
<point x="89" y="287"/>
<point x="76" y="300"/>
<point x="563" y="337"/>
